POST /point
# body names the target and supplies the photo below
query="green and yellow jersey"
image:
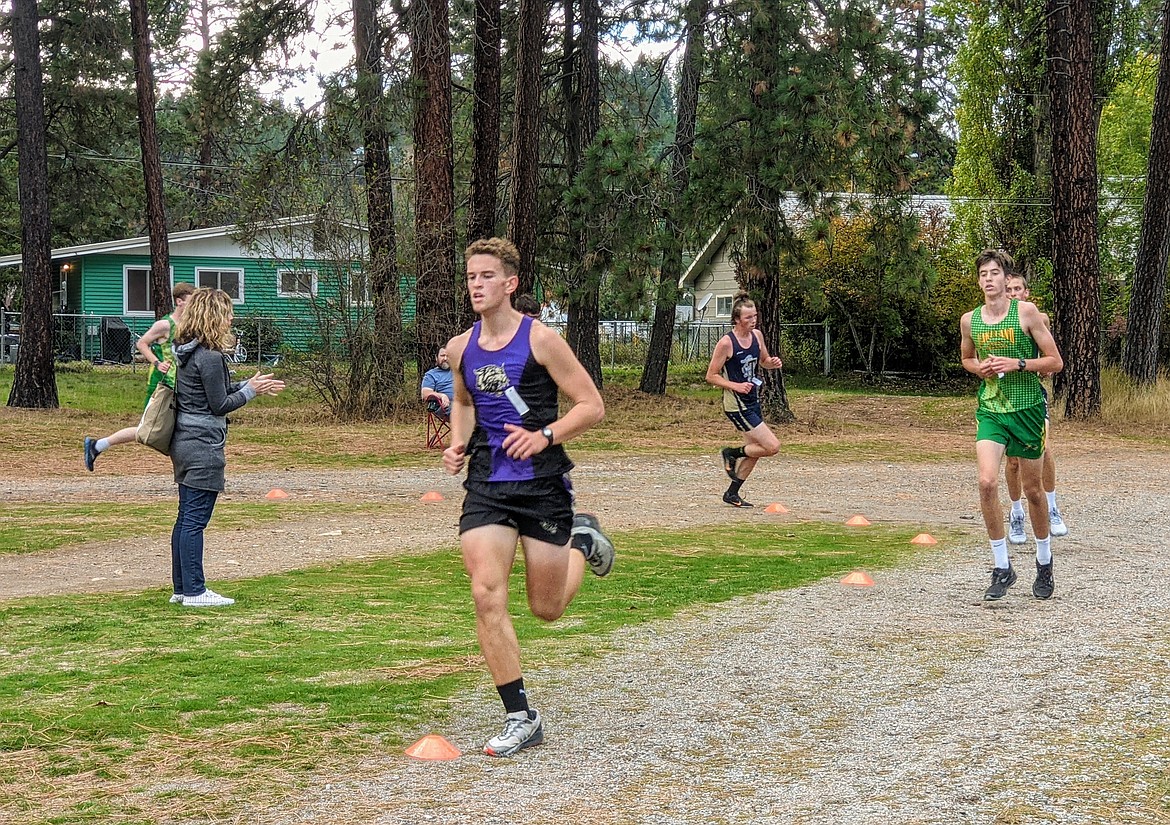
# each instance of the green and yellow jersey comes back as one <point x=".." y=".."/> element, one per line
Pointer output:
<point x="1016" y="390"/>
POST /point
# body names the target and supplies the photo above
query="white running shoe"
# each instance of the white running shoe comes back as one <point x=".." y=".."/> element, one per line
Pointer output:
<point x="1056" y="525"/>
<point x="520" y="732"/>
<point x="176" y="598"/>
<point x="588" y="538"/>
<point x="1016" y="533"/>
<point x="208" y="598"/>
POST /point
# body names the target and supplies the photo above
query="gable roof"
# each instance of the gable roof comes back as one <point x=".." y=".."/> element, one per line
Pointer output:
<point x="794" y="207"/>
<point x="141" y="245"/>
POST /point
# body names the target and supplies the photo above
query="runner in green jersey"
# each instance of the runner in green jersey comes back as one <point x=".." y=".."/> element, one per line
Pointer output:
<point x="1000" y="340"/>
<point x="155" y="347"/>
<point x="1017" y="287"/>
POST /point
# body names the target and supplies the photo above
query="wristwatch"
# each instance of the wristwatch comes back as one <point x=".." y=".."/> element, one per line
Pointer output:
<point x="1023" y="365"/>
<point x="548" y="433"/>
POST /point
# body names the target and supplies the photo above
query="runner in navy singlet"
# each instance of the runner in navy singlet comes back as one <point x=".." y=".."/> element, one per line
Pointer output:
<point x="734" y="367"/>
<point x="506" y="428"/>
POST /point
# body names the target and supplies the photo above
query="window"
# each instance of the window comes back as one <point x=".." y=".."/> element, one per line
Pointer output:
<point x="230" y="281"/>
<point x="296" y="283"/>
<point x="723" y="304"/>
<point x="138" y="299"/>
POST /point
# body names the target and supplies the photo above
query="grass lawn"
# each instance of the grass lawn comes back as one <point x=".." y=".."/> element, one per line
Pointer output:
<point x="106" y="699"/>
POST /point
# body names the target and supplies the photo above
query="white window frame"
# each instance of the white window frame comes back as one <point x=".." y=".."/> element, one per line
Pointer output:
<point x="719" y="304"/>
<point x="139" y="313"/>
<point x="199" y="270"/>
<point x="312" y="273"/>
<point x="366" y="299"/>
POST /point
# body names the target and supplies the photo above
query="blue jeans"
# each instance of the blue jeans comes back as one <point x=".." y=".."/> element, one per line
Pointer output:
<point x="195" y="508"/>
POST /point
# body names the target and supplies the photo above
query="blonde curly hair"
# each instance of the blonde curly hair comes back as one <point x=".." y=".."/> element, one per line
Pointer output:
<point x="208" y="320"/>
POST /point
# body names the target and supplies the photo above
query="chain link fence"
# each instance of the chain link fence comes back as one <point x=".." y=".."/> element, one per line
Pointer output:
<point x="805" y="348"/>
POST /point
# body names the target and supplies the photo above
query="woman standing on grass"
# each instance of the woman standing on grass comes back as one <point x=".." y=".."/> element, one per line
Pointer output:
<point x="204" y="395"/>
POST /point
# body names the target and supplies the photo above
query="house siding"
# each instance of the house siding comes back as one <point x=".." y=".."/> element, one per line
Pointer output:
<point x="100" y="291"/>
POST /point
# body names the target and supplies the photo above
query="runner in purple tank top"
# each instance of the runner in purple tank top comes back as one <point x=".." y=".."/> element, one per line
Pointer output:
<point x="506" y="428"/>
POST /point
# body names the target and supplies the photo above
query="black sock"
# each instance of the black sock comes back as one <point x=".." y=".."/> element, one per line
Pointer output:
<point x="513" y="695"/>
<point x="734" y="488"/>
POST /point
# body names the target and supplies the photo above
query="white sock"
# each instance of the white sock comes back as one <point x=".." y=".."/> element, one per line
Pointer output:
<point x="1000" y="551"/>
<point x="102" y="445"/>
<point x="1018" y="508"/>
<point x="1043" y="551"/>
<point x="1051" y="500"/>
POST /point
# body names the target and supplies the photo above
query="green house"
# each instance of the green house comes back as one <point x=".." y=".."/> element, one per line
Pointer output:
<point x="291" y="275"/>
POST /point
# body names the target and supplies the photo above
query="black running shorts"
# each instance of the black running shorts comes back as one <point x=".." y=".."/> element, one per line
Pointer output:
<point x="541" y="508"/>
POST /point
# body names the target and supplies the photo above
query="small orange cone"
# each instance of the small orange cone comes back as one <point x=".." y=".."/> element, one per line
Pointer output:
<point x="432" y="495"/>
<point x="858" y="521"/>
<point x="775" y="507"/>
<point x="924" y="538"/>
<point x="433" y="747"/>
<point x="857" y="579"/>
<point x="275" y="494"/>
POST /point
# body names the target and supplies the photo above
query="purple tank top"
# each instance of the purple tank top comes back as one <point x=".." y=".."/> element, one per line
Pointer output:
<point x="509" y="386"/>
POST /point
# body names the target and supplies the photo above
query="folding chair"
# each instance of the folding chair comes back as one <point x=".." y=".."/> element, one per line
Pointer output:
<point x="438" y="428"/>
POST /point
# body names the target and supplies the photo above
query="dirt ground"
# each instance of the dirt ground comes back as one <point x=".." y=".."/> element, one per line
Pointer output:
<point x="627" y="491"/>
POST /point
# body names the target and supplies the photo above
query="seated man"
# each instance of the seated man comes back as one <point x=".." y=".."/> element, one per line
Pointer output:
<point x="438" y="384"/>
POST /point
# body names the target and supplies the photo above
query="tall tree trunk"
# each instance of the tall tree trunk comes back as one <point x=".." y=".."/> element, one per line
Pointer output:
<point x="156" y="213"/>
<point x="434" y="215"/>
<point x="759" y="271"/>
<point x="34" y="384"/>
<point x="584" y="305"/>
<point x="387" y="361"/>
<point x="524" y="193"/>
<point x="662" y="334"/>
<point x="485" y="136"/>
<point x="1147" y="297"/>
<point x="1076" y="263"/>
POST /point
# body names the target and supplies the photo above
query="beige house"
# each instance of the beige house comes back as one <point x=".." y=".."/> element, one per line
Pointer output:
<point x="710" y="279"/>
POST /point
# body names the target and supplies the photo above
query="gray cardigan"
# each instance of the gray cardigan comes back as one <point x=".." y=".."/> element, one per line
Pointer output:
<point x="204" y="395"/>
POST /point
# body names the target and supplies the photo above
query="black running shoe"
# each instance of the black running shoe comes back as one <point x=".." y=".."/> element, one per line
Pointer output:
<point x="91" y="453"/>
<point x="1043" y="586"/>
<point x="730" y="460"/>
<point x="1001" y="580"/>
<point x="594" y="544"/>
<point x="735" y="501"/>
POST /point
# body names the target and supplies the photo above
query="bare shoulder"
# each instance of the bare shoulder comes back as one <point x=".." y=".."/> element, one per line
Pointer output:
<point x="456" y="346"/>
<point x="965" y="321"/>
<point x="547" y="343"/>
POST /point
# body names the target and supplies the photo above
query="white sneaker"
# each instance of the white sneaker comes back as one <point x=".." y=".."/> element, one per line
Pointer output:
<point x="519" y="732"/>
<point x="1016" y="533"/>
<point x="1056" y="525"/>
<point x="176" y="598"/>
<point x="208" y="598"/>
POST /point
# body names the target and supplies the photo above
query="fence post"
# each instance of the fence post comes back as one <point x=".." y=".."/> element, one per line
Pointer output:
<point x="828" y="344"/>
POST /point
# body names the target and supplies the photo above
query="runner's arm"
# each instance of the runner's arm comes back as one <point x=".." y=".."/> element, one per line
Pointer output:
<point x="462" y="415"/>
<point x="715" y="369"/>
<point x="967" y="353"/>
<point x="158" y="331"/>
<point x="1034" y="322"/>
<point x="767" y="361"/>
<point x="587" y="408"/>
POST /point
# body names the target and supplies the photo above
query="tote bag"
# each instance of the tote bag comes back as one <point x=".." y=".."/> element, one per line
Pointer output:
<point x="158" y="420"/>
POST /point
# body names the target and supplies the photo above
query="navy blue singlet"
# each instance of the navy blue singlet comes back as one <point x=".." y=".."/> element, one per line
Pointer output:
<point x="740" y="367"/>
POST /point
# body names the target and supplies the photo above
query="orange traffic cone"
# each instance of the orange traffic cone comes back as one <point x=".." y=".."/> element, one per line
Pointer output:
<point x="924" y="538"/>
<point x="432" y="495"/>
<point x="275" y="494"/>
<point x="858" y="579"/>
<point x="775" y="507"/>
<point x="433" y="747"/>
<point x="858" y="521"/>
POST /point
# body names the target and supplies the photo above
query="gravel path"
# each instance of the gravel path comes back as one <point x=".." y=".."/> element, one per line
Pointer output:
<point x="908" y="702"/>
